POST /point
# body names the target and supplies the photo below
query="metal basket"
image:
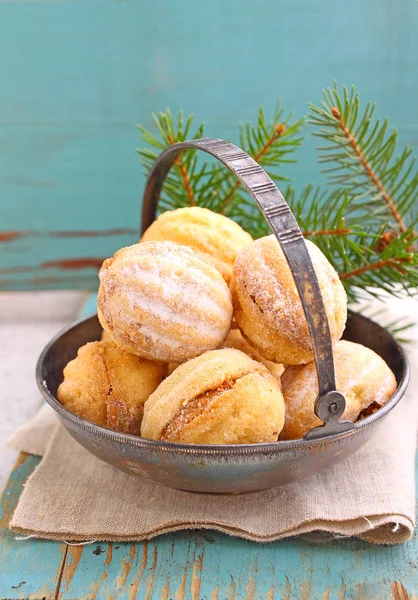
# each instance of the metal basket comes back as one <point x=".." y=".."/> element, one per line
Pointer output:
<point x="241" y="467"/>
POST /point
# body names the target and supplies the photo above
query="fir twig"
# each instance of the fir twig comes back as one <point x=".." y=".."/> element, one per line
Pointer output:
<point x="325" y="232"/>
<point x="184" y="174"/>
<point x="361" y="152"/>
<point x="351" y="247"/>
<point x="379" y="264"/>
<point x="392" y="270"/>
<point x="397" y="328"/>
<point x="190" y="182"/>
<point x="211" y="185"/>
<point x="368" y="169"/>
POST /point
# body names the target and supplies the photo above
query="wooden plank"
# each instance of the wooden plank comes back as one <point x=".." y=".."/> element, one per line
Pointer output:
<point x="213" y="566"/>
<point x="28" y="569"/>
<point x="82" y="74"/>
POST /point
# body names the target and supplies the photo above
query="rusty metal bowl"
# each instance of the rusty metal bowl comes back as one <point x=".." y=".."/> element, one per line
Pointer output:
<point x="243" y="467"/>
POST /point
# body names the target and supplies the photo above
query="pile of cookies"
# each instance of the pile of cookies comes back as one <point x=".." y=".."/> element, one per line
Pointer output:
<point x="198" y="320"/>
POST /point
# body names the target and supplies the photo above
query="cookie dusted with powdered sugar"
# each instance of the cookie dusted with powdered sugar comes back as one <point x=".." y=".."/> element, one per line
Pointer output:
<point x="160" y="301"/>
<point x="211" y="235"/>
<point x="361" y="375"/>
<point x="220" y="397"/>
<point x="267" y="306"/>
<point x="236" y="340"/>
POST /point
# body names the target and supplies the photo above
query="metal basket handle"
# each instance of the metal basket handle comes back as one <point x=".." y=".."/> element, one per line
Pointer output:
<point x="329" y="404"/>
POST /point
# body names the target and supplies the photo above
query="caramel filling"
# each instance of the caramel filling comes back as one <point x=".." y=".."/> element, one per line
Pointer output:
<point x="369" y="410"/>
<point x="194" y="408"/>
<point x="256" y="303"/>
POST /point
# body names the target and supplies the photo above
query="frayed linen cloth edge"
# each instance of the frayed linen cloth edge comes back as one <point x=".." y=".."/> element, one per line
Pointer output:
<point x="401" y="526"/>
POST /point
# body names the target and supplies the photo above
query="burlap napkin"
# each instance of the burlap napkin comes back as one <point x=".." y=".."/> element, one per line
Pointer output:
<point x="34" y="436"/>
<point x="73" y="496"/>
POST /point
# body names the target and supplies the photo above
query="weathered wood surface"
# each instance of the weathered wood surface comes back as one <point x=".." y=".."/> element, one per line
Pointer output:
<point x="78" y="76"/>
<point x="199" y="565"/>
<point x="27" y="569"/>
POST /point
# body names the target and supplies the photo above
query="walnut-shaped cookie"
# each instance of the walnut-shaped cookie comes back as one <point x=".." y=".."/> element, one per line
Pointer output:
<point x="108" y="386"/>
<point x="267" y="306"/>
<point x="211" y="235"/>
<point x="361" y="375"/>
<point x="160" y="301"/>
<point x="220" y="397"/>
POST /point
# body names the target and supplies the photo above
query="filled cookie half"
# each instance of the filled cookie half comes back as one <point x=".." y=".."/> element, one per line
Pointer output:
<point x="220" y="397"/>
<point x="267" y="306"/>
<point x="361" y="375"/>
<point x="108" y="386"/>
<point x="211" y="235"/>
<point x="160" y="301"/>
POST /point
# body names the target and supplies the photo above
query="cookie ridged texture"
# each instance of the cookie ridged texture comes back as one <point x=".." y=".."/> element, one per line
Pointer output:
<point x="236" y="340"/>
<point x="108" y="386"/>
<point x="211" y="235"/>
<point x="220" y="397"/>
<point x="160" y="301"/>
<point x="267" y="306"/>
<point x="362" y="376"/>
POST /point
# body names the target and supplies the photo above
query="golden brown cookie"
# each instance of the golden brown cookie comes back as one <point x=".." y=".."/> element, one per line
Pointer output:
<point x="361" y="375"/>
<point x="108" y="386"/>
<point x="220" y="397"/>
<point x="267" y="306"/>
<point x="106" y="336"/>
<point x="237" y="341"/>
<point x="171" y="367"/>
<point x="211" y="235"/>
<point x="160" y="301"/>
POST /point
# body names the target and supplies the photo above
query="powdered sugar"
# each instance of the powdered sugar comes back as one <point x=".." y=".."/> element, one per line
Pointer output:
<point x="176" y="290"/>
<point x="164" y="311"/>
<point x="263" y="275"/>
<point x="165" y="303"/>
<point x="262" y="282"/>
<point x="159" y="338"/>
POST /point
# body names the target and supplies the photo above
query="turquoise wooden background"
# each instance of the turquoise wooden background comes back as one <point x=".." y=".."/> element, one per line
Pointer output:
<point x="77" y="75"/>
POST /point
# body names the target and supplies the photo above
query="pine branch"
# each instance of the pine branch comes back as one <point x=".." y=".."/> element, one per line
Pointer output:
<point x="184" y="174"/>
<point x="368" y="169"/>
<point x="364" y="222"/>
<point x="325" y="232"/>
<point x="191" y="182"/>
<point x="398" y="328"/>
<point x="392" y="270"/>
<point x="324" y="213"/>
<point x="379" y="265"/>
<point x="362" y="155"/>
<point x="357" y="253"/>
